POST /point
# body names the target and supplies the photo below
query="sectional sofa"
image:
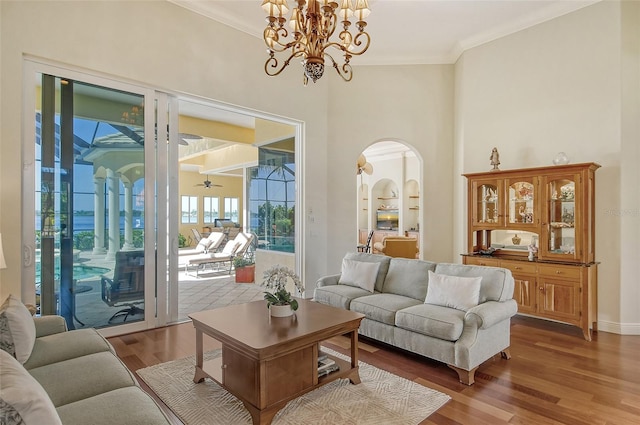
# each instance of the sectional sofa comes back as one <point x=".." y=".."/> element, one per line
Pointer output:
<point x="456" y="314"/>
<point x="49" y="375"/>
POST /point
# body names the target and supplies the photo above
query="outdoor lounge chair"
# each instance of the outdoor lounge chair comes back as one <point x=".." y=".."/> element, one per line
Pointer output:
<point x="125" y="284"/>
<point x="196" y="234"/>
<point x="237" y="246"/>
<point x="208" y="244"/>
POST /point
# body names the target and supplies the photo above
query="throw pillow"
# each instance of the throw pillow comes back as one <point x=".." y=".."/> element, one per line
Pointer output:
<point x="359" y="273"/>
<point x="17" y="329"/>
<point x="22" y="397"/>
<point x="457" y="292"/>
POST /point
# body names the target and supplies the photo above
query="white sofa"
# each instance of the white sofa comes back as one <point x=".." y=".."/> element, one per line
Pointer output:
<point x="461" y="319"/>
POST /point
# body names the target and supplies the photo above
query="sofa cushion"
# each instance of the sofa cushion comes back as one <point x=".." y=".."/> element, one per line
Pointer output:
<point x="128" y="405"/>
<point x="373" y="258"/>
<point x="382" y="307"/>
<point x="338" y="295"/>
<point x="87" y="376"/>
<point x="359" y="273"/>
<point x="17" y="330"/>
<point x="497" y="282"/>
<point x="22" y="398"/>
<point x="457" y="292"/>
<point x="408" y="277"/>
<point x="66" y="345"/>
<point x="432" y="320"/>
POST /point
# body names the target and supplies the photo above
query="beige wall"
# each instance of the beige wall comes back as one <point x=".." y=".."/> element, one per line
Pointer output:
<point x="411" y="104"/>
<point x="558" y="87"/>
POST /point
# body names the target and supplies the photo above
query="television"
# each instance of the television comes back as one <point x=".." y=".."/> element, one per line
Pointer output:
<point x="387" y="219"/>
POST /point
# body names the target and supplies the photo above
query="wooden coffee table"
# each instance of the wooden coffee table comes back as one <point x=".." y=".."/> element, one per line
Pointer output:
<point x="268" y="361"/>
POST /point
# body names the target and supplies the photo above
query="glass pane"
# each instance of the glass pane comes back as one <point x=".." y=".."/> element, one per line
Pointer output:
<point x="271" y="188"/>
<point x="487" y="198"/>
<point x="89" y="203"/>
<point x="189" y="209"/>
<point x="521" y="202"/>
<point x="210" y="209"/>
<point x="561" y="217"/>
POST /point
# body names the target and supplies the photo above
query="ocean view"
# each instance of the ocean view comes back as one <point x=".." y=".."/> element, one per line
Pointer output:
<point x="84" y="223"/>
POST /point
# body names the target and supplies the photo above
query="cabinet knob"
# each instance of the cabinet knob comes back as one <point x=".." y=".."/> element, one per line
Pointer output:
<point x="558" y="272"/>
<point x="518" y="268"/>
<point x="540" y="288"/>
<point x="224" y="366"/>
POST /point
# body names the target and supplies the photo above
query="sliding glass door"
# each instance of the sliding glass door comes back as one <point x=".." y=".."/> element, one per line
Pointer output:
<point x="93" y="257"/>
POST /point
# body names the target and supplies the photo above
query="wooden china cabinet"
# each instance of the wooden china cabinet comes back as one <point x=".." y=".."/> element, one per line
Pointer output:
<point x="552" y="209"/>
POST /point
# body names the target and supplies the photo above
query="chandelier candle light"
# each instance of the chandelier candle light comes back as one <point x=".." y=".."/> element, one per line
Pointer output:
<point x="312" y="24"/>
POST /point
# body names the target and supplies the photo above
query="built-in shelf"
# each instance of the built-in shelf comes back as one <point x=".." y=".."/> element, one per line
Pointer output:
<point x="414" y="196"/>
<point x="414" y="208"/>
<point x="385" y="198"/>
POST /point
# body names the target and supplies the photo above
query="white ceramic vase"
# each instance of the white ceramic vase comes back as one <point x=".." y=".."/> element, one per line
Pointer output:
<point x="280" y="310"/>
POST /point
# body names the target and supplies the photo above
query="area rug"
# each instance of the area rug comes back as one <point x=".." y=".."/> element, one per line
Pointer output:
<point x="381" y="398"/>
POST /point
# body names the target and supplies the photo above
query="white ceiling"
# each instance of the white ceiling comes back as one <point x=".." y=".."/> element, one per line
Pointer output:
<point x="412" y="31"/>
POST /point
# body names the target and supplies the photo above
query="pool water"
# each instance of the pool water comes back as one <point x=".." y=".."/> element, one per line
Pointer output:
<point x="79" y="271"/>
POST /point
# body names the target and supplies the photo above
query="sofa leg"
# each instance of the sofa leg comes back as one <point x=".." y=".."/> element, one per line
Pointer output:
<point x="465" y="376"/>
<point x="506" y="353"/>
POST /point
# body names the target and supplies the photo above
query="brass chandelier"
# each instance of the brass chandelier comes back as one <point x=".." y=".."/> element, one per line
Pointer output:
<point x="312" y="24"/>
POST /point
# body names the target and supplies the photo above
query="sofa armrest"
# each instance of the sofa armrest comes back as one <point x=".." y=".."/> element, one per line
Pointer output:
<point x="49" y="325"/>
<point x="328" y="280"/>
<point x="489" y="313"/>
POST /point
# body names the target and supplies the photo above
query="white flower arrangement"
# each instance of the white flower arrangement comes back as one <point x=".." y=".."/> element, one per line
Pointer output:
<point x="275" y="279"/>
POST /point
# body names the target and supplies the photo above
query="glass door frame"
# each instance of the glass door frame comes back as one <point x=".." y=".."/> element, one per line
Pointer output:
<point x="173" y="168"/>
<point x="154" y="178"/>
<point x="161" y="186"/>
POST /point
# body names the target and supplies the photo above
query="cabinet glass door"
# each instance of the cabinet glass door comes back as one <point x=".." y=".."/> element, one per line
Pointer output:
<point x="487" y="202"/>
<point x="522" y="210"/>
<point x="561" y="216"/>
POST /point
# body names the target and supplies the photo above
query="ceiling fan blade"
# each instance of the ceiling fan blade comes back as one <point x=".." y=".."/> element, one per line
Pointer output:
<point x="367" y="168"/>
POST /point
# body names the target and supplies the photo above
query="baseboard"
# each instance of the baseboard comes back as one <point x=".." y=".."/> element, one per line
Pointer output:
<point x="619" y="328"/>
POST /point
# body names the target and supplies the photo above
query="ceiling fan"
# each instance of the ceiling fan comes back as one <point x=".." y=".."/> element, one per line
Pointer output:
<point x="364" y="166"/>
<point x="207" y="184"/>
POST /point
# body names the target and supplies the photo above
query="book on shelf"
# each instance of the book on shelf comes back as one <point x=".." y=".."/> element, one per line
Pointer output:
<point x="326" y="366"/>
<point x="325" y="363"/>
<point x="332" y="368"/>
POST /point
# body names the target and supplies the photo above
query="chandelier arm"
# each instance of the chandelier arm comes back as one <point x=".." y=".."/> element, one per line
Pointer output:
<point x="278" y="33"/>
<point x="358" y="42"/>
<point x="272" y="62"/>
<point x="346" y="72"/>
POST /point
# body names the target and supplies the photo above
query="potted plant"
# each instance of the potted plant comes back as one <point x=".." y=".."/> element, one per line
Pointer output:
<point x="245" y="269"/>
<point x="279" y="300"/>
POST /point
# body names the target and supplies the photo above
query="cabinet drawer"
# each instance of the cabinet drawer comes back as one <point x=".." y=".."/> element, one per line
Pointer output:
<point x="482" y="261"/>
<point x="566" y="272"/>
<point x="519" y="266"/>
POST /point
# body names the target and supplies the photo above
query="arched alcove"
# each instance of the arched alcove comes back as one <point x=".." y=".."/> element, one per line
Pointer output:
<point x="388" y="191"/>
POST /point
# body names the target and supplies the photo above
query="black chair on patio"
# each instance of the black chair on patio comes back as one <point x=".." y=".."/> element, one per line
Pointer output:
<point x="124" y="286"/>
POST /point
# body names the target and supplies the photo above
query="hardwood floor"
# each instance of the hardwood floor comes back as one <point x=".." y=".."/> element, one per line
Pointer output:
<point x="553" y="377"/>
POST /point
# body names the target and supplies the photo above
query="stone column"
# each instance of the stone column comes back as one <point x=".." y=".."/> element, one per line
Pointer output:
<point x="113" y="183"/>
<point x="98" y="218"/>
<point x="128" y="216"/>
